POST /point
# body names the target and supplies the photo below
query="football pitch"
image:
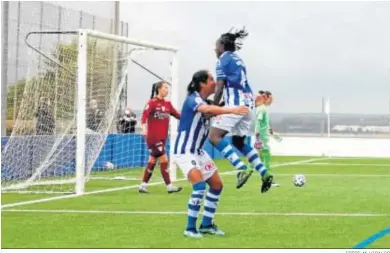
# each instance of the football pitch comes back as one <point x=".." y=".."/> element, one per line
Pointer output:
<point x="344" y="202"/>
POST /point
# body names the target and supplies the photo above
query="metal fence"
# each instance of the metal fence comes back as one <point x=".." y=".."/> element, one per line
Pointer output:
<point x="25" y="17"/>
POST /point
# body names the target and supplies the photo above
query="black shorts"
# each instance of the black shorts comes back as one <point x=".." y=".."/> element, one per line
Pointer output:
<point x="157" y="149"/>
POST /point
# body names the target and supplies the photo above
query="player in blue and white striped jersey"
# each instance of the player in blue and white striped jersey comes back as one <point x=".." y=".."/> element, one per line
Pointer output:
<point x="233" y="82"/>
<point x="190" y="157"/>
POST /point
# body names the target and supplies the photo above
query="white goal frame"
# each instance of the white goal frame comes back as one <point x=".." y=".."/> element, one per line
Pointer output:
<point x="82" y="95"/>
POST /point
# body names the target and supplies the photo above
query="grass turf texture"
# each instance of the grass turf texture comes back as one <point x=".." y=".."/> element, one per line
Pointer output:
<point x="319" y="215"/>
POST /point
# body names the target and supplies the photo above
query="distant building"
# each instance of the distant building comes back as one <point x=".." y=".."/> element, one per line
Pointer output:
<point x="357" y="128"/>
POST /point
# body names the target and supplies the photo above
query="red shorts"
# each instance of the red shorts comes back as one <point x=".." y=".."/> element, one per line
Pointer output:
<point x="156" y="149"/>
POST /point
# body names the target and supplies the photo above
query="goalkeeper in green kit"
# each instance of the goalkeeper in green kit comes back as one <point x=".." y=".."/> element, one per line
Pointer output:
<point x="263" y="130"/>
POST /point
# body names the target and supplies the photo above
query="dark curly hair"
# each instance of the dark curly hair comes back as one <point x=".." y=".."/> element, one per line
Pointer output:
<point x="232" y="41"/>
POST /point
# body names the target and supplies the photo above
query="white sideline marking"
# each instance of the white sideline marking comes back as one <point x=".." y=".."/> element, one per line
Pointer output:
<point x="352" y="164"/>
<point x="124" y="178"/>
<point x="185" y="213"/>
<point x="358" y="158"/>
<point x="34" y="192"/>
<point x="335" y="175"/>
<point x="30" y="202"/>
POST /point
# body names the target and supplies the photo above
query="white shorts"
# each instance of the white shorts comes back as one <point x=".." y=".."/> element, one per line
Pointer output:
<point x="202" y="161"/>
<point x="236" y="125"/>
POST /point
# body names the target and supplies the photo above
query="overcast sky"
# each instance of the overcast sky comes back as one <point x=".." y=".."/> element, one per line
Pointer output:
<point x="301" y="51"/>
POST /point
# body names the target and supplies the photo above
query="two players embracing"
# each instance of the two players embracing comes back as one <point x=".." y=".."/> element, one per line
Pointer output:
<point x="236" y="117"/>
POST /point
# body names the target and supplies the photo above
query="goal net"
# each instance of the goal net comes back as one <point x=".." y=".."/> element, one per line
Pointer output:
<point x="67" y="131"/>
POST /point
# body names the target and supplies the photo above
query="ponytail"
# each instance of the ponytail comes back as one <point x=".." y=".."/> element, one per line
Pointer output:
<point x="199" y="77"/>
<point x="153" y="91"/>
<point x="155" y="88"/>
<point x="191" y="88"/>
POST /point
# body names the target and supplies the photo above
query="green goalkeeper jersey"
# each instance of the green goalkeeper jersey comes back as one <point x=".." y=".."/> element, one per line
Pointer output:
<point x="263" y="122"/>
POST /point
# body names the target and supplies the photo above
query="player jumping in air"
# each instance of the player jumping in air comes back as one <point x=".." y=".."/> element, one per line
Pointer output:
<point x="155" y="123"/>
<point x="232" y="82"/>
<point x="195" y="163"/>
<point x="262" y="128"/>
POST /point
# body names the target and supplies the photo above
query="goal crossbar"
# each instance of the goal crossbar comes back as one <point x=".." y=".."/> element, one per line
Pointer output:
<point x="122" y="39"/>
<point x="98" y="34"/>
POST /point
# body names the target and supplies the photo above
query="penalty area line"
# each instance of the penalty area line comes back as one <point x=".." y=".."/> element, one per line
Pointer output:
<point x="185" y="213"/>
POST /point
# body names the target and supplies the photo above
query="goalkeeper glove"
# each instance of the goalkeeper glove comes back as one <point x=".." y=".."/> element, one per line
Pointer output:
<point x="277" y="137"/>
<point x="258" y="142"/>
<point x="258" y="145"/>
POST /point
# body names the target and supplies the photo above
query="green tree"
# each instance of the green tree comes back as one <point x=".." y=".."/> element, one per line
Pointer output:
<point x="17" y="88"/>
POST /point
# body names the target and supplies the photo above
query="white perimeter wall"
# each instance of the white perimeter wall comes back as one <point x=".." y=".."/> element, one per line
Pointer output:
<point x="345" y="147"/>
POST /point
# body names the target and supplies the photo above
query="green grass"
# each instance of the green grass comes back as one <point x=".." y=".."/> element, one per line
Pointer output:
<point x="250" y="219"/>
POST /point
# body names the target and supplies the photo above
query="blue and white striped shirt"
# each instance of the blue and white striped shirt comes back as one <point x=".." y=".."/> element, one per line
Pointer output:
<point x="231" y="69"/>
<point x="193" y="127"/>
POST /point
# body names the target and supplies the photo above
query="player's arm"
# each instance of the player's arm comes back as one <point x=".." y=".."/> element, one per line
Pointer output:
<point x="145" y="116"/>
<point x="217" y="110"/>
<point x="259" y="118"/>
<point x="198" y="104"/>
<point x="257" y="128"/>
<point x="221" y="80"/>
<point x="271" y="131"/>
<point x="274" y="134"/>
<point x="173" y="111"/>
<point x="218" y="91"/>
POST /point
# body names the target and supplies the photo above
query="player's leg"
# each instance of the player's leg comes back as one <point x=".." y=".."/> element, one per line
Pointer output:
<point x="211" y="176"/>
<point x="265" y="154"/>
<point x="198" y="191"/>
<point x="274" y="184"/>
<point x="190" y="167"/>
<point x="147" y="174"/>
<point x="222" y="126"/>
<point x="210" y="206"/>
<point x="250" y="152"/>
<point x="157" y="152"/>
<point x="243" y="129"/>
<point x="165" y="174"/>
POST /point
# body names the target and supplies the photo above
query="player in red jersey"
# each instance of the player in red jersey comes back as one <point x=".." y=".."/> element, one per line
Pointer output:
<point x="155" y="124"/>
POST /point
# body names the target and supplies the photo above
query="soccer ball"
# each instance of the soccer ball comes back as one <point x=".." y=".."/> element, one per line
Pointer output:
<point x="299" y="180"/>
<point x="109" y="166"/>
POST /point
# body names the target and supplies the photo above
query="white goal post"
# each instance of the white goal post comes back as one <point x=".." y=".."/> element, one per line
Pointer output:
<point x="81" y="97"/>
<point x="23" y="179"/>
